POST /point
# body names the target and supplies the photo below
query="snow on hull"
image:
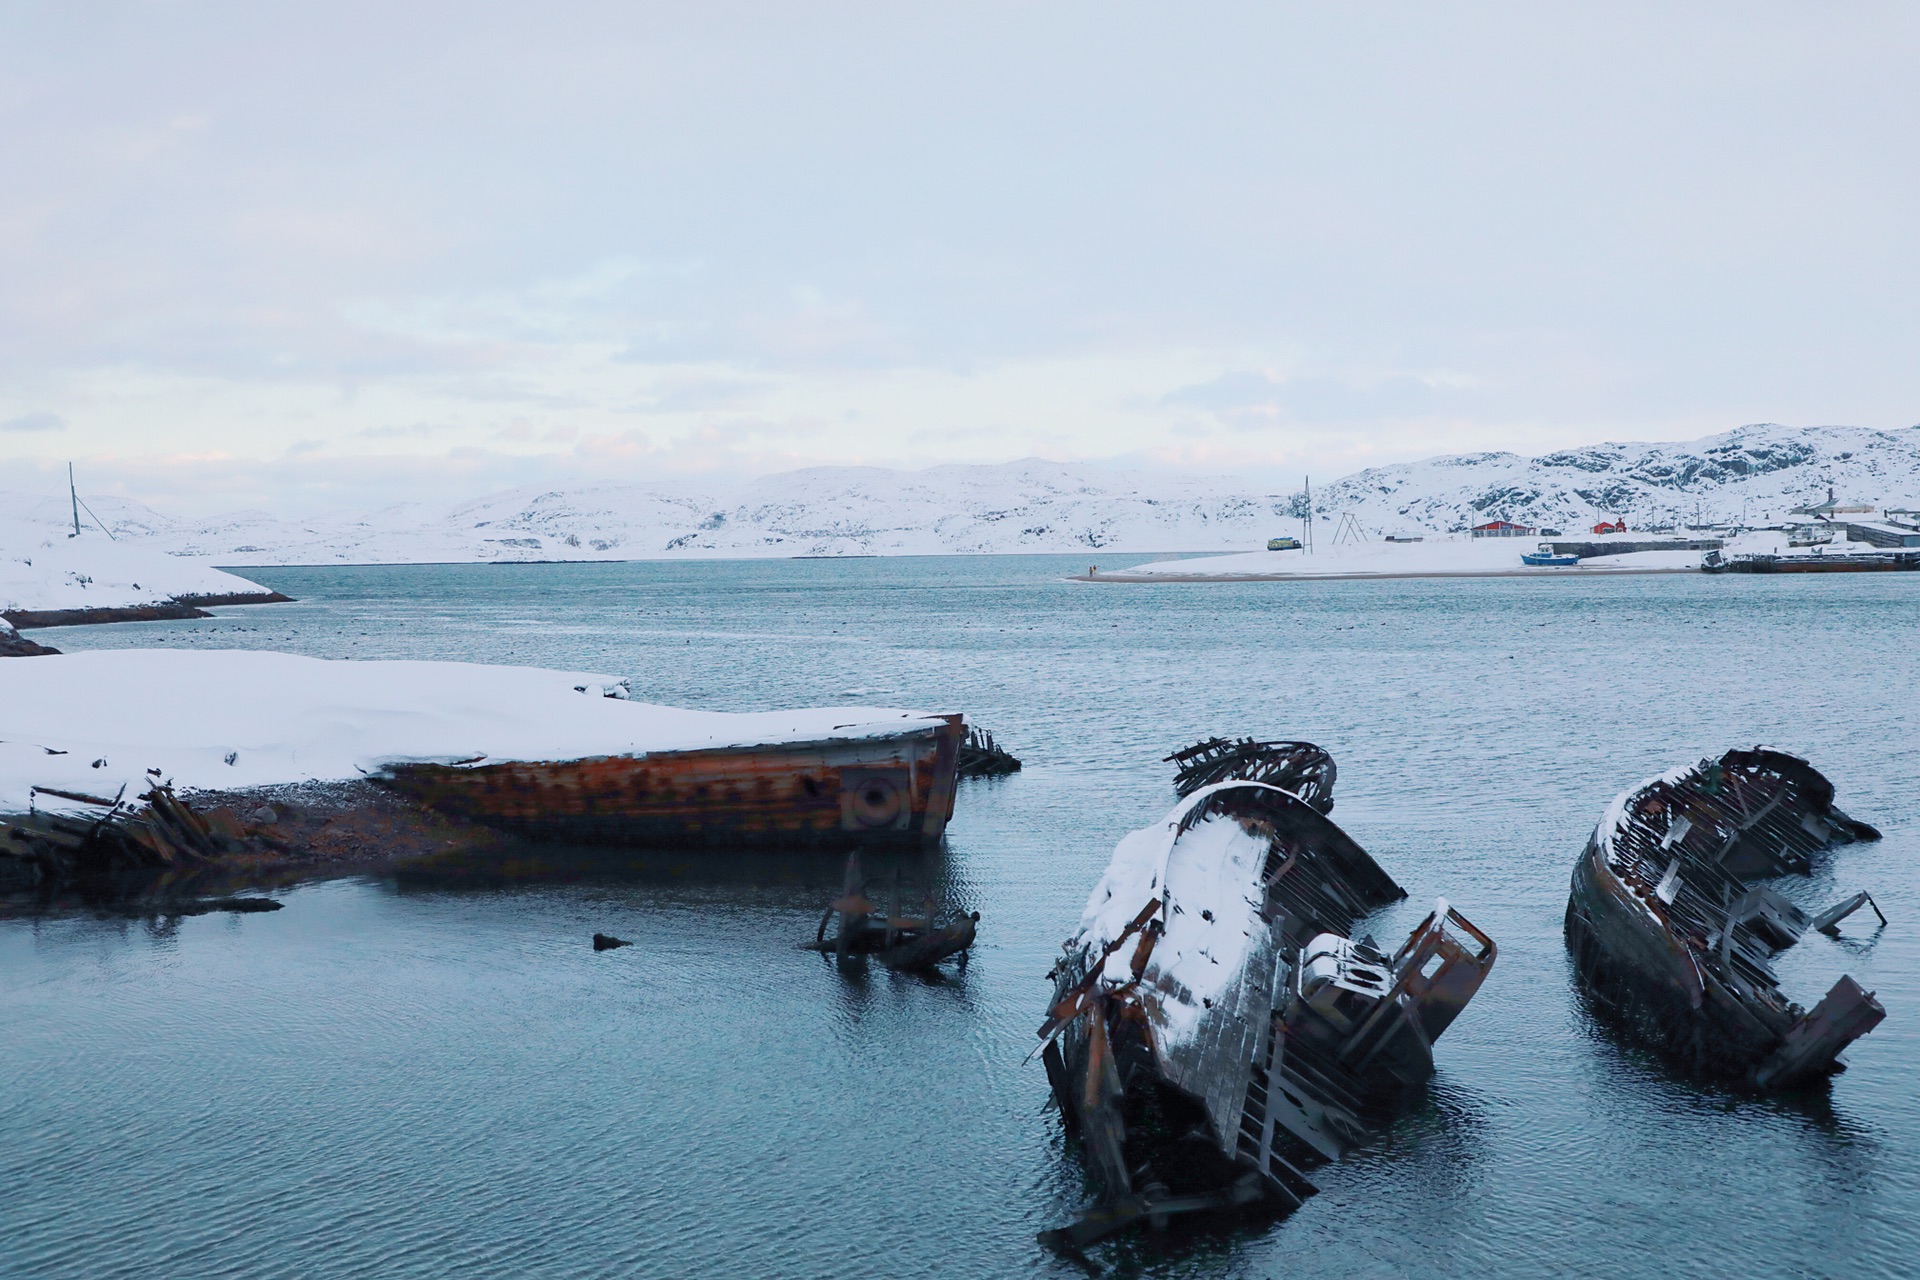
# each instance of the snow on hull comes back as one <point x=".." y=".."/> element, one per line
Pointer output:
<point x="1210" y="868"/>
<point x="224" y="720"/>
<point x="1196" y="958"/>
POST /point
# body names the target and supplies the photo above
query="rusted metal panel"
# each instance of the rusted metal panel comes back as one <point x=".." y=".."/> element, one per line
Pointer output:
<point x="894" y="790"/>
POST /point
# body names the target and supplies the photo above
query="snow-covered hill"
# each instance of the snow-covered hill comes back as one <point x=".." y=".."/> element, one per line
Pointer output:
<point x="1750" y="475"/>
<point x="1754" y="474"/>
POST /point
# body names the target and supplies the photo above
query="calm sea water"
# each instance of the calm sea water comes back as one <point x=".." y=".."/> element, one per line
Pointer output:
<point x="394" y="1080"/>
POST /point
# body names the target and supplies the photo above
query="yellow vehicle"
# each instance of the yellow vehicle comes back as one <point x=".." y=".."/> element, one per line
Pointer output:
<point x="1283" y="544"/>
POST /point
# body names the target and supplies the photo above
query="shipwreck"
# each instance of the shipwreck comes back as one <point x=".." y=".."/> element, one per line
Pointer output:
<point x="1673" y="932"/>
<point x="885" y="785"/>
<point x="1214" y="1031"/>
<point x="523" y="751"/>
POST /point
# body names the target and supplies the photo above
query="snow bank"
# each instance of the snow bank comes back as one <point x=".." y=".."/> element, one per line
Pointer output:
<point x="41" y="569"/>
<point x="95" y="722"/>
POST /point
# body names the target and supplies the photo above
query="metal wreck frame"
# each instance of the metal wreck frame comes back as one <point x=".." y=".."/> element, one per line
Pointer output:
<point x="1671" y="931"/>
<point x="1219" y="1034"/>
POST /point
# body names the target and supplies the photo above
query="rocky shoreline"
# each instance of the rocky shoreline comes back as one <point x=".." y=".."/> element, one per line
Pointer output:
<point x="183" y="606"/>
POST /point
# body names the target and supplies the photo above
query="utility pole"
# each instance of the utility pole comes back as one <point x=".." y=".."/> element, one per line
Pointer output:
<point x="74" y="494"/>
<point x="1309" y="525"/>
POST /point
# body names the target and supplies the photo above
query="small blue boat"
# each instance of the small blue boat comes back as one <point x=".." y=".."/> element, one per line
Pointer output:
<point x="1547" y="558"/>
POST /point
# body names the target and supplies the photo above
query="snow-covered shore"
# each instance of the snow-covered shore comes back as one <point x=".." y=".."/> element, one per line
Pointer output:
<point x="1455" y="556"/>
<point x="235" y="719"/>
<point x="1755" y="474"/>
<point x="46" y="574"/>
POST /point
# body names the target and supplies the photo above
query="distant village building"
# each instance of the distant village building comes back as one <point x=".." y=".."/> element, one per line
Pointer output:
<point x="1503" y="529"/>
<point x="1611" y="526"/>
<point x="1883" y="535"/>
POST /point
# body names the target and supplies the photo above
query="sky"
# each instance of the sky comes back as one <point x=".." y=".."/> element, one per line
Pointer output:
<point x="308" y="257"/>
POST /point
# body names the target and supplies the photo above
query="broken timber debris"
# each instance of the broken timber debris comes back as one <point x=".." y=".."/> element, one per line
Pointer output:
<point x="1671" y="931"/>
<point x="1300" y="767"/>
<point x="124" y="841"/>
<point x="897" y="940"/>
<point x="891" y="787"/>
<point x="982" y="757"/>
<point x="1213" y="1031"/>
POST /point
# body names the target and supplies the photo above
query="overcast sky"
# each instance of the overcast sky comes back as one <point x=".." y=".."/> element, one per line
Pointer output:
<point x="331" y="255"/>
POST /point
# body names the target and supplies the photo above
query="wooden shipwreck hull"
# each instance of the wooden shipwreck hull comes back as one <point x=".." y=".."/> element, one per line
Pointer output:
<point x="1214" y="1033"/>
<point x="893" y="788"/>
<point x="1672" y="933"/>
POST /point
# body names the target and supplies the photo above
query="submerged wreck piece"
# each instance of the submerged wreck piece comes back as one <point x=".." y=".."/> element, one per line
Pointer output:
<point x="896" y="939"/>
<point x="1670" y="930"/>
<point x="1213" y="1031"/>
<point x="1299" y="767"/>
<point x="982" y="757"/>
<point x="885" y="784"/>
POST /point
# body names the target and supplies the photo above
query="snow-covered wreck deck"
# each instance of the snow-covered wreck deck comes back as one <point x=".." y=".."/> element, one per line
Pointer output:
<point x="536" y="752"/>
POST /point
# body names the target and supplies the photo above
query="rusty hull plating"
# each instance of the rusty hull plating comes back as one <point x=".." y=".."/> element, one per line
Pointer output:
<point x="1673" y="936"/>
<point x="1308" y="1048"/>
<point x="892" y="790"/>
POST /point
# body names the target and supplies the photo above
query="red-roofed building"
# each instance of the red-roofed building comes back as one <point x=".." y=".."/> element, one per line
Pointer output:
<point x="1611" y="526"/>
<point x="1503" y="529"/>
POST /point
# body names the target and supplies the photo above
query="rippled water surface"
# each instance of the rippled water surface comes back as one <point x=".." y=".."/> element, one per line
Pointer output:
<point x="395" y="1079"/>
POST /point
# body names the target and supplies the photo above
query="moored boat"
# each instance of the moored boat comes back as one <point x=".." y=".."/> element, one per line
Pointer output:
<point x="1544" y="556"/>
<point x="1671" y="931"/>
<point x="1817" y="562"/>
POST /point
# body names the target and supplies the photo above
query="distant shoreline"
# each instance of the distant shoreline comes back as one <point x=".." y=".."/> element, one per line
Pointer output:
<point x="1123" y="578"/>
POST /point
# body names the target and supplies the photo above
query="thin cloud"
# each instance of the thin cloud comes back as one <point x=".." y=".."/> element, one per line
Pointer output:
<point x="34" y="422"/>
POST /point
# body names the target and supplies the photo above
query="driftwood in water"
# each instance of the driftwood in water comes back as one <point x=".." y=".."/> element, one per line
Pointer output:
<point x="982" y="757"/>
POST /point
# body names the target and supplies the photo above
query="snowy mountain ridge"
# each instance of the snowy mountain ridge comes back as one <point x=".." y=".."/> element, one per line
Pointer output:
<point x="1753" y="474"/>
